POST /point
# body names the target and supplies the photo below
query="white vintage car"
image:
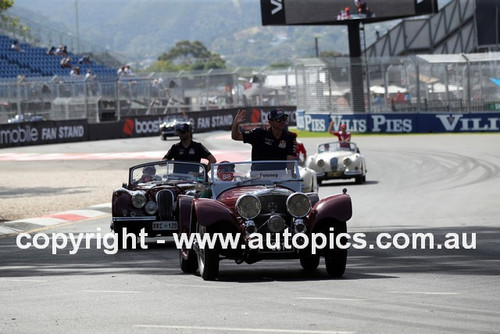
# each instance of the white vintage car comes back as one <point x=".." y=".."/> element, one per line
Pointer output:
<point x="338" y="160"/>
<point x="309" y="179"/>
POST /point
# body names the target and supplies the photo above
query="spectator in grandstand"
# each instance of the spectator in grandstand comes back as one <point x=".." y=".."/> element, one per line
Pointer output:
<point x="66" y="62"/>
<point x="273" y="143"/>
<point x="21" y="78"/>
<point x="369" y="13"/>
<point x="51" y="51"/>
<point x="344" y="14"/>
<point x="187" y="149"/>
<point x="90" y="79"/>
<point x="399" y="97"/>
<point x="398" y="101"/>
<point x="343" y="135"/>
<point x="128" y="71"/>
<point x="158" y="88"/>
<point x="379" y="100"/>
<point x="408" y="98"/>
<point x="85" y="60"/>
<point x="16" y="47"/>
<point x="361" y="6"/>
<point x="62" y="50"/>
<point x="90" y="75"/>
<point x="121" y="71"/>
<point x="75" y="71"/>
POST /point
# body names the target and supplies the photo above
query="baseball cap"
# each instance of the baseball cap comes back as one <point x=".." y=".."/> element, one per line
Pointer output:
<point x="276" y="114"/>
<point x="184" y="127"/>
<point x="343" y="126"/>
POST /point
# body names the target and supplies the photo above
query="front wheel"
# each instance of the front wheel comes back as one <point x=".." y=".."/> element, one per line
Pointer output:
<point x="319" y="180"/>
<point x="208" y="259"/>
<point x="309" y="262"/>
<point x="189" y="265"/>
<point x="336" y="258"/>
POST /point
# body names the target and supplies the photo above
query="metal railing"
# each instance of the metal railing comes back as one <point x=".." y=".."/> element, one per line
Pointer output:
<point x="420" y="83"/>
<point x="426" y="83"/>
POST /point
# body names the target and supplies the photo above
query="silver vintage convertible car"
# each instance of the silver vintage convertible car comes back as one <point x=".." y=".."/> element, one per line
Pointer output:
<point x="257" y="211"/>
<point x="338" y="160"/>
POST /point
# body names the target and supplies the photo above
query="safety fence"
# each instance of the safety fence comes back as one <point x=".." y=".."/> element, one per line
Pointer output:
<point x="462" y="83"/>
<point x="422" y="83"/>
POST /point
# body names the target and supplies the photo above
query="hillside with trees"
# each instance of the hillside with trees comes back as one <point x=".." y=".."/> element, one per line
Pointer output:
<point x="144" y="30"/>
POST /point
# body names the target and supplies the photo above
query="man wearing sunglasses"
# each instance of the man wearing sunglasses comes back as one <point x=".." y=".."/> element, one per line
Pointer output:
<point x="187" y="149"/>
<point x="273" y="143"/>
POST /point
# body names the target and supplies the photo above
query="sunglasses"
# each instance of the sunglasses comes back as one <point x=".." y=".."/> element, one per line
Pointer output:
<point x="284" y="118"/>
<point x="181" y="132"/>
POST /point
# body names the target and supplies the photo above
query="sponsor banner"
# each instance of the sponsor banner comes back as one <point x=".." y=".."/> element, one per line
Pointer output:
<point x="43" y="132"/>
<point x="401" y="122"/>
<point x="202" y="121"/>
<point x="48" y="132"/>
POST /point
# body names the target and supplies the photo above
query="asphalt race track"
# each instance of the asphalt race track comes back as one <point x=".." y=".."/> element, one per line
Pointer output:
<point x="445" y="185"/>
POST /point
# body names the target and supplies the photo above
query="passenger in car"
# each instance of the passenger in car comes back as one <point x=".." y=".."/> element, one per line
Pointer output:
<point x="274" y="143"/>
<point x="225" y="172"/>
<point x="343" y="135"/>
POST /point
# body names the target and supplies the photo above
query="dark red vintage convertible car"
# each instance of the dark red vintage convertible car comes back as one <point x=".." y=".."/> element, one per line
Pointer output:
<point x="148" y="201"/>
<point x="257" y="211"/>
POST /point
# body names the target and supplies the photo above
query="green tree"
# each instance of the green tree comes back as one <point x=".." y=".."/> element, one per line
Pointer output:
<point x="186" y="55"/>
<point x="5" y="4"/>
<point x="12" y="23"/>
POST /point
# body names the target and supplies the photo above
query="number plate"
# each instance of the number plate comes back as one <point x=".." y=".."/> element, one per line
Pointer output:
<point x="165" y="226"/>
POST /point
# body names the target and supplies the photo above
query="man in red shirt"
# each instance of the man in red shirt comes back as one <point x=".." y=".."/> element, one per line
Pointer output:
<point x="343" y="136"/>
<point x="300" y="151"/>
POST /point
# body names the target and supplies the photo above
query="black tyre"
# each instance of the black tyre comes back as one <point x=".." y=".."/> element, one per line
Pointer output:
<point x="208" y="259"/>
<point x="309" y="262"/>
<point x="189" y="265"/>
<point x="336" y="258"/>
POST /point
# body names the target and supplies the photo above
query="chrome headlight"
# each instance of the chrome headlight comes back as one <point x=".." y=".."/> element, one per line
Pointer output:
<point x="298" y="205"/>
<point x="138" y="200"/>
<point x="347" y="161"/>
<point x="320" y="163"/>
<point x="248" y="206"/>
<point x="150" y="208"/>
<point x="276" y="224"/>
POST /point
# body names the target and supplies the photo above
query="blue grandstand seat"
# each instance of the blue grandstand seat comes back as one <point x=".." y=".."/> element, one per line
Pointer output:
<point x="35" y="62"/>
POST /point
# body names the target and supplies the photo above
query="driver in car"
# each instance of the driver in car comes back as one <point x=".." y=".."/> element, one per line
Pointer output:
<point x="148" y="174"/>
<point x="187" y="149"/>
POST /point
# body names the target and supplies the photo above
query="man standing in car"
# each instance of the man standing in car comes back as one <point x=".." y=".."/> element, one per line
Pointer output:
<point x="188" y="150"/>
<point x="274" y="143"/>
<point x="344" y="136"/>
